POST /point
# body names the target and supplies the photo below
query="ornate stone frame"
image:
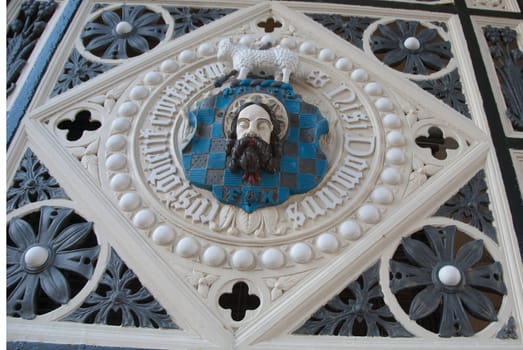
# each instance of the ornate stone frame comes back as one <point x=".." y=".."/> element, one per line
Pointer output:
<point x="204" y="328"/>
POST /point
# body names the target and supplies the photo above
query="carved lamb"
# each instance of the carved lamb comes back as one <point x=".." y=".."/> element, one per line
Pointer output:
<point x="277" y="59"/>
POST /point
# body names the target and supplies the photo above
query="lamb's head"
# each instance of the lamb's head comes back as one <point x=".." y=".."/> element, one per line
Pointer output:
<point x="224" y="49"/>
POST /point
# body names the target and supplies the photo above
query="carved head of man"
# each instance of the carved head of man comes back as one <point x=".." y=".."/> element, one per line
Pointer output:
<point x="254" y="121"/>
<point x="254" y="144"/>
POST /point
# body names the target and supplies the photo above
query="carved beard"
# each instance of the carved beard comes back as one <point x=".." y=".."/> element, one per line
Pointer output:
<point x="251" y="154"/>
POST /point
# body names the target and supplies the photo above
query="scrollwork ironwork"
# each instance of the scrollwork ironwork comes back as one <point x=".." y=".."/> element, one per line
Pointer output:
<point x="448" y="89"/>
<point x="120" y="299"/>
<point x="22" y="36"/>
<point x="349" y="28"/>
<point x="359" y="310"/>
<point x="508" y="60"/>
<point x="77" y="70"/>
<point x="187" y="19"/>
<point x="32" y="183"/>
<point x="471" y="205"/>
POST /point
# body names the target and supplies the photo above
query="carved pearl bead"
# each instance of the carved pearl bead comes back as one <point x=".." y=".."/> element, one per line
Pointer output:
<point x="384" y="104"/>
<point x="205" y="49"/>
<point x="124" y="27"/>
<point x="139" y="92"/>
<point x="369" y="214"/>
<point x="169" y="66"/>
<point x="268" y="39"/>
<point x="289" y="43"/>
<point x="163" y="235"/>
<point x="449" y="275"/>
<point x="273" y="258"/>
<point x="242" y="259"/>
<point x="327" y="243"/>
<point x="360" y="75"/>
<point x="308" y="48"/>
<point x="116" y="161"/>
<point x="36" y="257"/>
<point x="344" y="64"/>
<point x="301" y="253"/>
<point x="120" y="182"/>
<point x="392" y="121"/>
<point x="144" y="219"/>
<point x="412" y="43"/>
<point x="130" y="201"/>
<point x="382" y="195"/>
<point x="373" y="89"/>
<point x="152" y="78"/>
<point x="127" y="109"/>
<point x="395" y="156"/>
<point x="187" y="247"/>
<point x="350" y="230"/>
<point x="247" y="40"/>
<point x="391" y="176"/>
<point x="120" y="125"/>
<point x="395" y="138"/>
<point x="326" y="55"/>
<point x="187" y="56"/>
<point x="213" y="256"/>
<point x="115" y="143"/>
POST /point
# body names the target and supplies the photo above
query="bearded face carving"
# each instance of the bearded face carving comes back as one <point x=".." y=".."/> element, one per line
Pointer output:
<point x="254" y="144"/>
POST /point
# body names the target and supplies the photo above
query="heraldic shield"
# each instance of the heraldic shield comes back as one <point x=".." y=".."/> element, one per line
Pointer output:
<point x="255" y="143"/>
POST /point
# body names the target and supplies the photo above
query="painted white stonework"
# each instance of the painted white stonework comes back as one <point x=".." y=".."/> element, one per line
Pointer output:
<point x="188" y="249"/>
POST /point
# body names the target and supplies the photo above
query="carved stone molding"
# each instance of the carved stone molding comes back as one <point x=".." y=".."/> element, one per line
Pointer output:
<point x="367" y="158"/>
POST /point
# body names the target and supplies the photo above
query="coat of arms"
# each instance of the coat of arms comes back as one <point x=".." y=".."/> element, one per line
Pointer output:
<point x="255" y="143"/>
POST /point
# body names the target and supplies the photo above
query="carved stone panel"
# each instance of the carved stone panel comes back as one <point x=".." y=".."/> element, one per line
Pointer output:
<point x="264" y="179"/>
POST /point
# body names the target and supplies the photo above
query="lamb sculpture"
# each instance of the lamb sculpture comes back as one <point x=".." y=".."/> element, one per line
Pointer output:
<point x="244" y="59"/>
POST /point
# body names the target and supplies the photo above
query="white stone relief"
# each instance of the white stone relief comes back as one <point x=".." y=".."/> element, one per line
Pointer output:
<point x="235" y="221"/>
<point x="163" y="174"/>
<point x="212" y="245"/>
<point x="280" y="285"/>
<point x="202" y="282"/>
<point x="368" y="147"/>
<point x="317" y="78"/>
<point x="245" y="60"/>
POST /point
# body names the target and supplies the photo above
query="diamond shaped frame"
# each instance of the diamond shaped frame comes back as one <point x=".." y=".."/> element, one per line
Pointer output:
<point x="128" y="242"/>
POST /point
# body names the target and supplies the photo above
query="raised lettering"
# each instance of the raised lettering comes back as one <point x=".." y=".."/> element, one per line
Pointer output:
<point x="196" y="209"/>
<point x="329" y="199"/>
<point x="190" y="77"/>
<point x="171" y="91"/>
<point x="268" y="197"/>
<point x="184" y="87"/>
<point x="311" y="208"/>
<point x="212" y="212"/>
<point x="163" y="177"/>
<point x="352" y="120"/>
<point x="214" y="70"/>
<point x="184" y="200"/>
<point x="359" y="146"/>
<point x="297" y="217"/>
